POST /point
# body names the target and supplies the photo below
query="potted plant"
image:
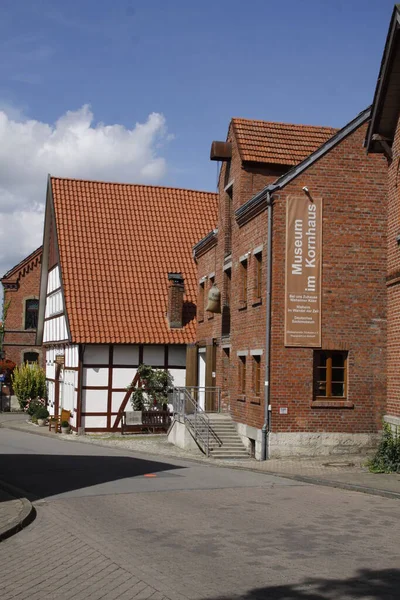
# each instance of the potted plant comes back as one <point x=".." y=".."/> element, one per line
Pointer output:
<point x="64" y="427"/>
<point x="42" y="414"/>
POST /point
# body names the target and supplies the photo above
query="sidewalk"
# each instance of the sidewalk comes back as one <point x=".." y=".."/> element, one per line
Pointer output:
<point x="342" y="471"/>
<point x="15" y="511"/>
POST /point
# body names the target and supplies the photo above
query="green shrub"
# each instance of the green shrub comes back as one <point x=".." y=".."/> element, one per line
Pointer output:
<point x="387" y="457"/>
<point x="154" y="393"/>
<point x="28" y="381"/>
<point x="42" y="413"/>
<point x="65" y="424"/>
<point x="33" y="405"/>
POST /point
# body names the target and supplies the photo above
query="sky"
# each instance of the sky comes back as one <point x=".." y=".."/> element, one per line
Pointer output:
<point x="136" y="91"/>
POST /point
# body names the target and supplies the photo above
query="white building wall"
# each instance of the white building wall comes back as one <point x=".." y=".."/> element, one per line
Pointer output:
<point x="68" y="378"/>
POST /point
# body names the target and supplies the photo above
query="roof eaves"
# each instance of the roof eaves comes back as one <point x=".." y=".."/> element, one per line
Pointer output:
<point x="22" y="263"/>
<point x="206" y="243"/>
<point x="260" y="200"/>
<point x="381" y="83"/>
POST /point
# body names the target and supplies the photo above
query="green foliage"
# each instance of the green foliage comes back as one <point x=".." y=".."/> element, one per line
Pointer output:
<point x="387" y="457"/>
<point x="65" y="424"/>
<point x="41" y="412"/>
<point x="156" y="383"/>
<point x="28" y="381"/>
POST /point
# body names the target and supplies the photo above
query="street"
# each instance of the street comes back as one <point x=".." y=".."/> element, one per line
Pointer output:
<point x="113" y="525"/>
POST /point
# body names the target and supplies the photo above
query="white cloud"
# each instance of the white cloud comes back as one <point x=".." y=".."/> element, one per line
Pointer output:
<point x="72" y="147"/>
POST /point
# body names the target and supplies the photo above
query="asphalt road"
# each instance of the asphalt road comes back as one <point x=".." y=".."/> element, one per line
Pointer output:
<point x="111" y="525"/>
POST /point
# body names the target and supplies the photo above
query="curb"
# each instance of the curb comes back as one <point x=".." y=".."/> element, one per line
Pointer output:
<point x="25" y="517"/>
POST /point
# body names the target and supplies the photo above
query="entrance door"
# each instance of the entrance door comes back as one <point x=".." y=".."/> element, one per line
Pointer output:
<point x="201" y="382"/>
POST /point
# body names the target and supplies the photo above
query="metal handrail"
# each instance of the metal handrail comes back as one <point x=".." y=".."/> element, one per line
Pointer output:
<point x="186" y="405"/>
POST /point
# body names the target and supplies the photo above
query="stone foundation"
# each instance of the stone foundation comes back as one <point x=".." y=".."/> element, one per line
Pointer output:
<point x="180" y="436"/>
<point x="309" y="444"/>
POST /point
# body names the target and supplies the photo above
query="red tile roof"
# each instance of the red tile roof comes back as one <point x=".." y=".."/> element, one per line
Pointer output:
<point x="278" y="143"/>
<point x="117" y="243"/>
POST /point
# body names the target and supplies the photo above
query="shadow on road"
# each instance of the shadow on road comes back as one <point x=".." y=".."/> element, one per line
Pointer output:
<point x="44" y="475"/>
<point x="367" y="583"/>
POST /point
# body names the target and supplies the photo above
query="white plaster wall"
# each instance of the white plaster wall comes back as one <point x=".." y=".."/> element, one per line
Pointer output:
<point x="97" y="376"/>
<point x="116" y="401"/>
<point x="153" y="355"/>
<point x="179" y="376"/>
<point x="94" y="422"/>
<point x="69" y="390"/>
<point x="126" y="355"/>
<point x="96" y="354"/>
<point x="122" y="377"/>
<point x="94" y="400"/>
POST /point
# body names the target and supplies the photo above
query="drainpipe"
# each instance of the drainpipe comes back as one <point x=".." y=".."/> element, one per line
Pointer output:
<point x="266" y="428"/>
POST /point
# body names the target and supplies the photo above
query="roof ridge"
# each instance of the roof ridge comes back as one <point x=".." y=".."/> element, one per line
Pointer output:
<point x="162" y="187"/>
<point x="283" y="123"/>
<point x="19" y="265"/>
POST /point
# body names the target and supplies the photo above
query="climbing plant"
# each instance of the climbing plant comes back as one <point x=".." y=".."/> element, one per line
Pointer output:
<point x="152" y="389"/>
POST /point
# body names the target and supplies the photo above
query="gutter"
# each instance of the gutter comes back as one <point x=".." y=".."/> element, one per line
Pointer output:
<point x="266" y="428"/>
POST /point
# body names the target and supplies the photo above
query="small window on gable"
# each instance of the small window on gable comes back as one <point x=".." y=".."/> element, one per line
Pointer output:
<point x="258" y="277"/>
<point x="242" y="375"/>
<point x="330" y="379"/>
<point x="200" y="307"/>
<point x="31" y="357"/>
<point x="243" y="284"/>
<point x="257" y="375"/>
<point x="31" y="313"/>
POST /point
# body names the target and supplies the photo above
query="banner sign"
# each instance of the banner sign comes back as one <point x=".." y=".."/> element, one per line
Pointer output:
<point x="303" y="271"/>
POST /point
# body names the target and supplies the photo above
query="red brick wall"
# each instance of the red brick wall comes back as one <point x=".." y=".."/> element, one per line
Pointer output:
<point x="17" y="340"/>
<point x="393" y="289"/>
<point x="354" y="296"/>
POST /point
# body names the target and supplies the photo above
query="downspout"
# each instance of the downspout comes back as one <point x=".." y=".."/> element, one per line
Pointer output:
<point x="266" y="428"/>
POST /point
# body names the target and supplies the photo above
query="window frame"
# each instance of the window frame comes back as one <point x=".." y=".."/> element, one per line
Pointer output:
<point x="244" y="283"/>
<point x="200" y="308"/>
<point x="211" y="281"/>
<point x="258" y="277"/>
<point x="328" y="381"/>
<point x="31" y="312"/>
<point x="257" y="375"/>
<point x="242" y="376"/>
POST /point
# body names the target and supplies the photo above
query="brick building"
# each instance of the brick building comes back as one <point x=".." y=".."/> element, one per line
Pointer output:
<point x="118" y="289"/>
<point x="321" y="353"/>
<point x="21" y="290"/>
<point x="383" y="137"/>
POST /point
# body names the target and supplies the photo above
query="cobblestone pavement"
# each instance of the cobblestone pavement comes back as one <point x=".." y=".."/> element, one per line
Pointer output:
<point x="105" y="530"/>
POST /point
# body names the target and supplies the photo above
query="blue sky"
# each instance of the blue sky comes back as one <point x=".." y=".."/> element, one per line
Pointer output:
<point x="195" y="63"/>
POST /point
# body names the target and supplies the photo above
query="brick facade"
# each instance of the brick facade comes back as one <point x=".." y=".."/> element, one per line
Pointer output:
<point x="352" y="186"/>
<point x="21" y="284"/>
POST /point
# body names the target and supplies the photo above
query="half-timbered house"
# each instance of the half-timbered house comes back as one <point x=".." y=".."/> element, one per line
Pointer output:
<point x="118" y="289"/>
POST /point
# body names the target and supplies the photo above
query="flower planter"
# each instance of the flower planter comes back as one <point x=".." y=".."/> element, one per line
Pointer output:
<point x="42" y="422"/>
<point x="64" y="430"/>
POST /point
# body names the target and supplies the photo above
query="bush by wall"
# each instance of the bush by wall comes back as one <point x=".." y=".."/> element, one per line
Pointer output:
<point x="29" y="382"/>
<point x="387" y="457"/>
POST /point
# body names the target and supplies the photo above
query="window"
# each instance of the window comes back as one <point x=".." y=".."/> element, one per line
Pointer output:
<point x="31" y="313"/>
<point x="200" y="307"/>
<point x="211" y="280"/>
<point x="228" y="221"/>
<point x="31" y="357"/>
<point x="243" y="284"/>
<point x="258" y="277"/>
<point x="330" y="374"/>
<point x="257" y="375"/>
<point x="242" y="375"/>
<point x="226" y="310"/>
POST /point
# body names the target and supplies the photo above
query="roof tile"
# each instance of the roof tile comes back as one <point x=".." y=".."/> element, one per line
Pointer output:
<point x="278" y="143"/>
<point x="118" y="242"/>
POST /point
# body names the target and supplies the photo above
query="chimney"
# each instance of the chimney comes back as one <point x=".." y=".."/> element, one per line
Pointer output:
<point x="175" y="300"/>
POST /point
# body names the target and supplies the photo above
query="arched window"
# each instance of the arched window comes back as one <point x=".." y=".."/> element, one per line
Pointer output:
<point x="31" y="313"/>
<point x="31" y="357"/>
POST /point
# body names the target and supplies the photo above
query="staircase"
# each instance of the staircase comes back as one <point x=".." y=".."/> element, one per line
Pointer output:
<point x="225" y="442"/>
<point x="214" y="432"/>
